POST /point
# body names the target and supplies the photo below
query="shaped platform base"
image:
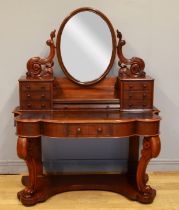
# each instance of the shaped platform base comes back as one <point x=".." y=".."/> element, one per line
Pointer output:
<point x="49" y="185"/>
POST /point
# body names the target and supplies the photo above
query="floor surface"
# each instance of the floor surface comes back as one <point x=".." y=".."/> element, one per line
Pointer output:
<point x="166" y="184"/>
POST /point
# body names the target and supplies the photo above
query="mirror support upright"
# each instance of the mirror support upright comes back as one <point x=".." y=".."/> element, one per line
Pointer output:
<point x="42" y="67"/>
<point x="129" y="68"/>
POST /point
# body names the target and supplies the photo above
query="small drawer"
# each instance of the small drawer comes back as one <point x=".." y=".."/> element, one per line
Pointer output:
<point x="137" y="104"/>
<point x="35" y="105"/>
<point x="34" y="86"/>
<point x="42" y="95"/>
<point x="92" y="130"/>
<point x="133" y="95"/>
<point x="141" y="86"/>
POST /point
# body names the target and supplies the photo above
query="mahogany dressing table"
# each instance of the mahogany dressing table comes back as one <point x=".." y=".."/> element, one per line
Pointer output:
<point x="86" y="104"/>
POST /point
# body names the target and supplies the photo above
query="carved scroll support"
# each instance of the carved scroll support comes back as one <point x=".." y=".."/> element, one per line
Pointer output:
<point x="29" y="149"/>
<point x="129" y="68"/>
<point x="151" y="149"/>
<point x="42" y="67"/>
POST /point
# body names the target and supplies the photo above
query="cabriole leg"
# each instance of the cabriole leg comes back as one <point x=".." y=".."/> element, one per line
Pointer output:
<point x="29" y="149"/>
<point x="151" y="149"/>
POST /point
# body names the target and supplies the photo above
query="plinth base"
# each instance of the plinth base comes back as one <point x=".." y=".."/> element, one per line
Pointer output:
<point x="49" y="185"/>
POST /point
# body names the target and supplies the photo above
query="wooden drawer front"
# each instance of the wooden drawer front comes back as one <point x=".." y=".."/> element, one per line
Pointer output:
<point x="92" y="130"/>
<point x="35" y="105"/>
<point x="137" y="95"/>
<point x="37" y="95"/>
<point x="137" y="104"/>
<point x="141" y="86"/>
<point x="35" y="86"/>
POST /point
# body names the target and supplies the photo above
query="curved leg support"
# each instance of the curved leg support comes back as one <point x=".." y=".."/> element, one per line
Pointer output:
<point x="30" y="151"/>
<point x="151" y="149"/>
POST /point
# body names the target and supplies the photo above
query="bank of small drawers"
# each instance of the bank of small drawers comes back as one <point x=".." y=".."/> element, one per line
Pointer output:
<point x="136" y="94"/>
<point x="35" y="95"/>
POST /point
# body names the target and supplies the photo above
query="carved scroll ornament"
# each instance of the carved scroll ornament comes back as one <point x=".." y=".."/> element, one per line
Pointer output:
<point x="42" y="67"/>
<point x="129" y="68"/>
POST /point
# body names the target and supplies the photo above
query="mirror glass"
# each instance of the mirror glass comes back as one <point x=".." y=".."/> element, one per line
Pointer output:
<point x="86" y="47"/>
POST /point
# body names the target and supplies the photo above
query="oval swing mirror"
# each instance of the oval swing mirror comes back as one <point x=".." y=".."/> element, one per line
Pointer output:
<point x="86" y="46"/>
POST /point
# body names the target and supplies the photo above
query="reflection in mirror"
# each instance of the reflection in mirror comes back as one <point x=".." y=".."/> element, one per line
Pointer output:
<point x="86" y="46"/>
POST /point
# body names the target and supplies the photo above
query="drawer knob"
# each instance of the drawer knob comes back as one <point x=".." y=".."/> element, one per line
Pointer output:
<point x="144" y="105"/>
<point x="144" y="95"/>
<point x="130" y="105"/>
<point x="99" y="130"/>
<point x="130" y="96"/>
<point x="43" y="96"/>
<point x="29" y="105"/>
<point x="28" y="95"/>
<point x="78" y="130"/>
<point x="144" y="86"/>
<point x="130" y="86"/>
<point x="28" y="87"/>
<point x="43" y="105"/>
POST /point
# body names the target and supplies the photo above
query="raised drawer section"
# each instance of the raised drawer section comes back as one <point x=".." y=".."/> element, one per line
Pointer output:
<point x="136" y="94"/>
<point x="96" y="130"/>
<point x="36" y="95"/>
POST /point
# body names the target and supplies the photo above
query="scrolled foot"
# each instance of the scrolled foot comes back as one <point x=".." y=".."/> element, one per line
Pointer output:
<point x="28" y="197"/>
<point x="147" y="196"/>
<point x="28" y="192"/>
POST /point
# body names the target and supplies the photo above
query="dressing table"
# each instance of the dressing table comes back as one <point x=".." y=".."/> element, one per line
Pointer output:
<point x="86" y="103"/>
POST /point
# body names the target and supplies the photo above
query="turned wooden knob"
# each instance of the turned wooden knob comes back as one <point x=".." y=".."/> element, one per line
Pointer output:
<point x="99" y="130"/>
<point x="144" y="95"/>
<point x="28" y="87"/>
<point x="144" y="86"/>
<point x="43" y="96"/>
<point x="130" y="105"/>
<point x="28" y="95"/>
<point x="43" y="105"/>
<point x="78" y="130"/>
<point x="29" y="105"/>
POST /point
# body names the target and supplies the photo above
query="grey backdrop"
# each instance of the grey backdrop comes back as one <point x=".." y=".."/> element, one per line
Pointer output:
<point x="151" y="29"/>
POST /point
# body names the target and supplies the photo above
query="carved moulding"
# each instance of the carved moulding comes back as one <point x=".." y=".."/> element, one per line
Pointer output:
<point x="129" y="68"/>
<point x="42" y="67"/>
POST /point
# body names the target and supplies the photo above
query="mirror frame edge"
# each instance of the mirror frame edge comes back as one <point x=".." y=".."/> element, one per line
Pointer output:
<point x="114" y="45"/>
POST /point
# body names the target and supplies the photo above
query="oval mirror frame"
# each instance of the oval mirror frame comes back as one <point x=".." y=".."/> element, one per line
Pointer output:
<point x="58" y="41"/>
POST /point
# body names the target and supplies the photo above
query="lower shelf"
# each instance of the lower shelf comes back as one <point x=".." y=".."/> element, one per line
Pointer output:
<point x="49" y="185"/>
